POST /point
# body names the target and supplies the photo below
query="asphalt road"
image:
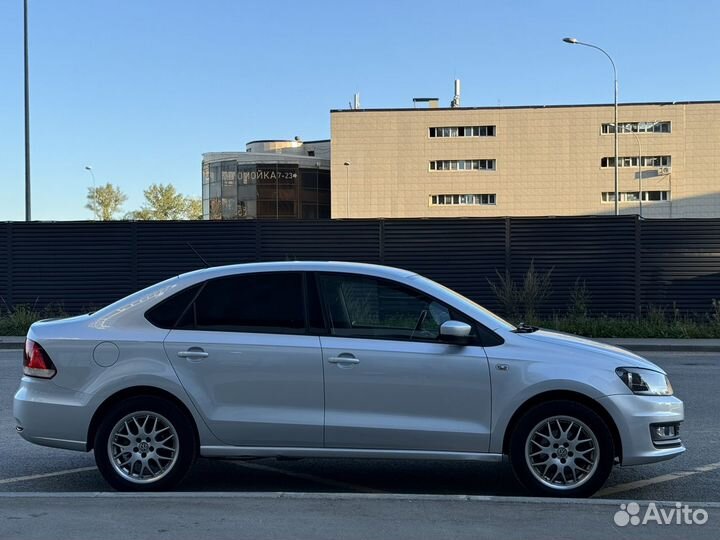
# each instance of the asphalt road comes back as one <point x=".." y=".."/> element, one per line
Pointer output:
<point x="336" y="517"/>
<point x="694" y="376"/>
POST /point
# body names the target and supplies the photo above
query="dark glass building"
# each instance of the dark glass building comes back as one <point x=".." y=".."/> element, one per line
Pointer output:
<point x="271" y="180"/>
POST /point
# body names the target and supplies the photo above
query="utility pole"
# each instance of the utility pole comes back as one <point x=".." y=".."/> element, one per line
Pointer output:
<point x="28" y="193"/>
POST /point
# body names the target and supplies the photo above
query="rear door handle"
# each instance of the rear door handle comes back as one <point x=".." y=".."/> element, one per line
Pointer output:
<point x="193" y="353"/>
<point x="343" y="360"/>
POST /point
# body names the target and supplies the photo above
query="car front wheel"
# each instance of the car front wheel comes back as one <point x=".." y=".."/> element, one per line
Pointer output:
<point x="562" y="449"/>
<point x="145" y="444"/>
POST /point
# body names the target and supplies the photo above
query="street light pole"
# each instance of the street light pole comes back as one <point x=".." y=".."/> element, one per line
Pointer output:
<point x="28" y="195"/>
<point x="640" y="190"/>
<point x="94" y="201"/>
<point x="574" y="41"/>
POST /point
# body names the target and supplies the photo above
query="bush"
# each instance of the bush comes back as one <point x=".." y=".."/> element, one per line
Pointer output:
<point x="522" y="300"/>
<point x="579" y="299"/>
<point x="16" y="321"/>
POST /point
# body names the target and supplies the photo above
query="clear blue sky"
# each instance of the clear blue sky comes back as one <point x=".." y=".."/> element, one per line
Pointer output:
<point x="140" y="89"/>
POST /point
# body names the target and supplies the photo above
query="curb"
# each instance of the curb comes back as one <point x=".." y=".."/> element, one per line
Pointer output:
<point x="12" y="342"/>
<point x="334" y="496"/>
<point x="641" y="347"/>
<point x="664" y="344"/>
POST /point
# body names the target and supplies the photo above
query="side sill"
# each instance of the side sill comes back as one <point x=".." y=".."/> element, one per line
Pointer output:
<point x="273" y="451"/>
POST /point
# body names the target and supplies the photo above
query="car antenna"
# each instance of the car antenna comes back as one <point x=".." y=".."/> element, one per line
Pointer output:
<point x="199" y="256"/>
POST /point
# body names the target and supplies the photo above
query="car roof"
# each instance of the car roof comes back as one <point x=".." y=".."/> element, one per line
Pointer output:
<point x="299" y="266"/>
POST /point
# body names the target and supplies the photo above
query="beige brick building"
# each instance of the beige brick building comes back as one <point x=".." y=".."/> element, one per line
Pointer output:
<point x="526" y="161"/>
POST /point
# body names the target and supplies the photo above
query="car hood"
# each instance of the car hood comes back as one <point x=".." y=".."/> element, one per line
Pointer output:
<point x="618" y="356"/>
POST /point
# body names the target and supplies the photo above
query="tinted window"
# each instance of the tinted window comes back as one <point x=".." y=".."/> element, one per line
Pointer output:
<point x="270" y="302"/>
<point x="365" y="307"/>
<point x="315" y="316"/>
<point x="166" y="313"/>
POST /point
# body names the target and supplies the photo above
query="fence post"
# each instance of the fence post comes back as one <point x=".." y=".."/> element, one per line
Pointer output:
<point x="381" y="241"/>
<point x="11" y="256"/>
<point x="508" y="245"/>
<point x="133" y="256"/>
<point x="258" y="239"/>
<point x="638" y="267"/>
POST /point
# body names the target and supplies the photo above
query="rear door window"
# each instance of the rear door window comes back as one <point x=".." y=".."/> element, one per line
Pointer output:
<point x="263" y="303"/>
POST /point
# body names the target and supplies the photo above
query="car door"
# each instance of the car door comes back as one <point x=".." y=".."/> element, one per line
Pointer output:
<point x="390" y="382"/>
<point x="242" y="352"/>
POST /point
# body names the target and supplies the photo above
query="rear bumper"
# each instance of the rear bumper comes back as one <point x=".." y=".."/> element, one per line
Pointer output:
<point x="633" y="416"/>
<point x="49" y="415"/>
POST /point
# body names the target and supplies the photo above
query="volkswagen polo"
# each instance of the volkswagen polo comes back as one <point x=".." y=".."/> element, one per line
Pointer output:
<point x="324" y="359"/>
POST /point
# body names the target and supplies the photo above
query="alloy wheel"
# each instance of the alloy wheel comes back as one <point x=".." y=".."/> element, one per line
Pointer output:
<point x="143" y="447"/>
<point x="562" y="452"/>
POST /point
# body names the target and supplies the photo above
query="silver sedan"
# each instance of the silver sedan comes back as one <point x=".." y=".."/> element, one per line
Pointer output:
<point x="322" y="359"/>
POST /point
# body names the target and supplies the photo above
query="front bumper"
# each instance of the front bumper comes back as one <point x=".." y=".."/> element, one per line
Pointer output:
<point x="633" y="416"/>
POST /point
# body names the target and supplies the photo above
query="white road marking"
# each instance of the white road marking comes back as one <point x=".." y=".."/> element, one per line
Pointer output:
<point x="308" y="477"/>
<point x="657" y="480"/>
<point x="45" y="475"/>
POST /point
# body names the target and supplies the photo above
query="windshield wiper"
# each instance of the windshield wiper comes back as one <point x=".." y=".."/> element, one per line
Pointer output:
<point x="523" y="328"/>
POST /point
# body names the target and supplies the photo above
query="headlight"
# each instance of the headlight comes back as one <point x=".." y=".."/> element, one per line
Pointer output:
<point x="645" y="382"/>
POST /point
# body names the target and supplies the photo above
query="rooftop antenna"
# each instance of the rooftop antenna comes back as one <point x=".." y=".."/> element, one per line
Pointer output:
<point x="456" y="98"/>
<point x="199" y="256"/>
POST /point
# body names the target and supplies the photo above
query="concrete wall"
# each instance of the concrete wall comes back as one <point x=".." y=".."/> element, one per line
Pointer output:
<point x="547" y="161"/>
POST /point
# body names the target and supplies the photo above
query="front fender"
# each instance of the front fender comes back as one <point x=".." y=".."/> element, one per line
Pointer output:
<point x="505" y="405"/>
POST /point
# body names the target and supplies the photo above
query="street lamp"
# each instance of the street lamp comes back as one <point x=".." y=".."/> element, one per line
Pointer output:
<point x="574" y="41"/>
<point x="347" y="188"/>
<point x="94" y="204"/>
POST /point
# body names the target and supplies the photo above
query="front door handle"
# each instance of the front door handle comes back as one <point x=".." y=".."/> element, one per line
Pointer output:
<point x="193" y="352"/>
<point x="343" y="360"/>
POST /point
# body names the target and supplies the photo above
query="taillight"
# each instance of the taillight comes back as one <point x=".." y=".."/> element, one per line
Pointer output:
<point x="36" y="362"/>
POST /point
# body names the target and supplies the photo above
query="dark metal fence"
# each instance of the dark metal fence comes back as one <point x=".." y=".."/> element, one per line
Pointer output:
<point x="626" y="263"/>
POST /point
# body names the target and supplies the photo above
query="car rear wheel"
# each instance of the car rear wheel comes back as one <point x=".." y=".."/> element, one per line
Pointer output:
<point x="562" y="449"/>
<point x="145" y="444"/>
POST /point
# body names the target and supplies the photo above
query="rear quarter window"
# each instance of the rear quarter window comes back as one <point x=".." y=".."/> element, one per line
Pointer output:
<point x="166" y="313"/>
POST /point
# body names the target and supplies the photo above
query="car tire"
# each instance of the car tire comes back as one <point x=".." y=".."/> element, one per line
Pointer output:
<point x="145" y="443"/>
<point x="562" y="449"/>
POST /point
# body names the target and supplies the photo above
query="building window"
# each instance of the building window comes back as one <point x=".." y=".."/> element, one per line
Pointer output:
<point x="463" y="165"/>
<point x="463" y="200"/>
<point x="632" y="161"/>
<point x="634" y="196"/>
<point x="463" y="131"/>
<point x="638" y="127"/>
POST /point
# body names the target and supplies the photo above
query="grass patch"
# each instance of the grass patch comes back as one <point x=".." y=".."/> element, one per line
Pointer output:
<point x="620" y="327"/>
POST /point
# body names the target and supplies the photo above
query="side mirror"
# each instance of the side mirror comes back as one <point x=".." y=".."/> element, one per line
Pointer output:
<point x="455" y="332"/>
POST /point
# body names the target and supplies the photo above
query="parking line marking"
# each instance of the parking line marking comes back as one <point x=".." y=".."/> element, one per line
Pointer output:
<point x="46" y="475"/>
<point x="309" y="477"/>
<point x="657" y="480"/>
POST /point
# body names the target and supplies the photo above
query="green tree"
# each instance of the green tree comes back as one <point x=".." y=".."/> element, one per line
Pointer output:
<point x="162" y="202"/>
<point x="194" y="208"/>
<point x="105" y="201"/>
